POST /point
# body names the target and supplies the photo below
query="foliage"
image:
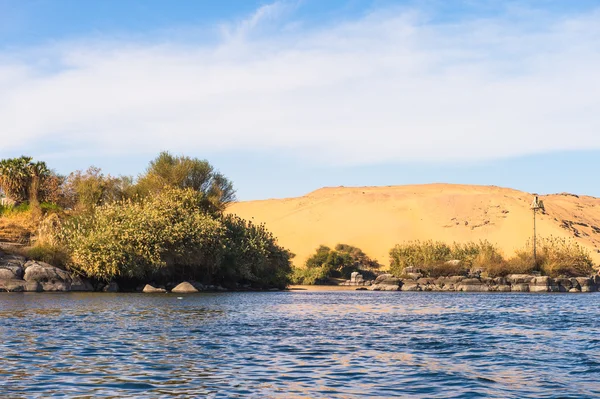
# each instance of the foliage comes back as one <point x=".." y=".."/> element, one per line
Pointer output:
<point x="339" y="262"/>
<point x="555" y="257"/>
<point x="253" y="256"/>
<point x="83" y="191"/>
<point x="310" y="275"/>
<point x="168" y="235"/>
<point x="433" y="258"/>
<point x="47" y="253"/>
<point x="184" y="172"/>
<point x="20" y="178"/>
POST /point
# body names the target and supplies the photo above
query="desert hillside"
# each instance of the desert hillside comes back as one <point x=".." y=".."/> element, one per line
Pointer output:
<point x="376" y="218"/>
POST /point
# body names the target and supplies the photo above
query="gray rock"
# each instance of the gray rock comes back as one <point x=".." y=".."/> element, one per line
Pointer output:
<point x="520" y="287"/>
<point x="111" y="287"/>
<point x="19" y="286"/>
<point x="472" y="285"/>
<point x="382" y="277"/>
<point x="519" y="278"/>
<point x="410" y="286"/>
<point x="503" y="288"/>
<point x="152" y="290"/>
<point x="81" y="284"/>
<point x="49" y="277"/>
<point x="11" y="272"/>
<point x="184" y="288"/>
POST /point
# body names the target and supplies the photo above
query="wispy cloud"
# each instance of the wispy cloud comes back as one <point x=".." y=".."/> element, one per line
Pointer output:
<point x="390" y="85"/>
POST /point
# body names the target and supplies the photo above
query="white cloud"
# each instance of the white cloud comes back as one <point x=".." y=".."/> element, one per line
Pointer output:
<point x="388" y="86"/>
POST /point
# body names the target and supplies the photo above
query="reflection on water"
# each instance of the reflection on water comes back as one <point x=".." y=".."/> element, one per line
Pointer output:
<point x="300" y="345"/>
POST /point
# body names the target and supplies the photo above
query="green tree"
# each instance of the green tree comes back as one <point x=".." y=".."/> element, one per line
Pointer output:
<point x="21" y="178"/>
<point x="169" y="171"/>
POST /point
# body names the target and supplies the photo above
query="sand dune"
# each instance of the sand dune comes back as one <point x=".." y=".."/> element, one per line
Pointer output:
<point x="376" y="218"/>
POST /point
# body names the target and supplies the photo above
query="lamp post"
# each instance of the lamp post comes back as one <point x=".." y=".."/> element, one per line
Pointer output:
<point x="536" y="205"/>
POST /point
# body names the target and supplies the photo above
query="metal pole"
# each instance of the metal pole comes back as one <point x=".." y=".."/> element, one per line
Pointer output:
<point x="534" y="241"/>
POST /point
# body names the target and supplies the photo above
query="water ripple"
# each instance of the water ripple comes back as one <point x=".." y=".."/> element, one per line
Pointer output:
<point x="299" y="345"/>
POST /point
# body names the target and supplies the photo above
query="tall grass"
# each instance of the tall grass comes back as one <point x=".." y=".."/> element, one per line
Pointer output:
<point x="555" y="257"/>
<point x="432" y="257"/>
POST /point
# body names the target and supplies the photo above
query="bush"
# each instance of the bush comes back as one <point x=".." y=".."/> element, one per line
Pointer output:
<point x="167" y="236"/>
<point x="253" y="256"/>
<point x="555" y="257"/>
<point x="419" y="254"/>
<point x="338" y="263"/>
<point x="432" y="257"/>
<point x="310" y="276"/>
<point x="51" y="254"/>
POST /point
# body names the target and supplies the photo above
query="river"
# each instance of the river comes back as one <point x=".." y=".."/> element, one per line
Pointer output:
<point x="346" y="344"/>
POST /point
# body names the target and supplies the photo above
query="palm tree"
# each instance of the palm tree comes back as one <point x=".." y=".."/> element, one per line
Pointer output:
<point x="20" y="178"/>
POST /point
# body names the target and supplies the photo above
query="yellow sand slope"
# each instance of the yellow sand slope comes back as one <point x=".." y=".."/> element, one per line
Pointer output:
<point x="376" y="218"/>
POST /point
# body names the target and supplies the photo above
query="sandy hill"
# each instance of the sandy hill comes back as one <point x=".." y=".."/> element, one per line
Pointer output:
<point x="376" y="218"/>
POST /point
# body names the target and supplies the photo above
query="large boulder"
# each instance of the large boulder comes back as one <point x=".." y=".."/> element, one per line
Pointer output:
<point x="184" y="288"/>
<point x="586" y="284"/>
<point x="81" y="284"/>
<point x="472" y="285"/>
<point x="383" y="277"/>
<point x="520" y="287"/>
<point x="149" y="289"/>
<point x="519" y="278"/>
<point x="19" y="286"/>
<point x="49" y="277"/>
<point x="540" y="284"/>
<point x="410" y="286"/>
<point x="11" y="272"/>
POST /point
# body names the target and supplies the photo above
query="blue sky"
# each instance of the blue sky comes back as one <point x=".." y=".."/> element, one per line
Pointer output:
<point x="287" y="96"/>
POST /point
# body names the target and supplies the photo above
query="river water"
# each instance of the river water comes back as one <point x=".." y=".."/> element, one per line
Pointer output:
<point x="300" y="345"/>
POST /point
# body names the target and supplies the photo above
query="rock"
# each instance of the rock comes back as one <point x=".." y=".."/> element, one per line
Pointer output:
<point x="19" y="286"/>
<point x="413" y="276"/>
<point x="81" y="284"/>
<point x="382" y="277"/>
<point x="574" y="290"/>
<point x="472" y="285"/>
<point x="11" y="272"/>
<point x="152" y="290"/>
<point x="111" y="287"/>
<point x="564" y="284"/>
<point x="540" y="284"/>
<point x="519" y="278"/>
<point x="49" y="277"/>
<point x="503" y="288"/>
<point x="410" y="286"/>
<point x="361" y="289"/>
<point x="184" y="288"/>
<point x="520" y="287"/>
<point x="354" y="276"/>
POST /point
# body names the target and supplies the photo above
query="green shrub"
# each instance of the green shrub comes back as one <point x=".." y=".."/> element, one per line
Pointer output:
<point x="167" y="236"/>
<point x="338" y="263"/>
<point x="310" y="276"/>
<point x="253" y="256"/>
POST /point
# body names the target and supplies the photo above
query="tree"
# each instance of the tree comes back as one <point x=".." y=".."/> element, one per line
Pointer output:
<point x="169" y="171"/>
<point x="21" y="178"/>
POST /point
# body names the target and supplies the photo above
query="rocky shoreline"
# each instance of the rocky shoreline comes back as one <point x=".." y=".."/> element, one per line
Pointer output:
<point x="510" y="283"/>
<point x="18" y="274"/>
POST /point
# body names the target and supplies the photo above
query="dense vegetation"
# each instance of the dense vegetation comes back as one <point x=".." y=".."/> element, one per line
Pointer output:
<point x="165" y="225"/>
<point x="555" y="257"/>
<point x="329" y="263"/>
